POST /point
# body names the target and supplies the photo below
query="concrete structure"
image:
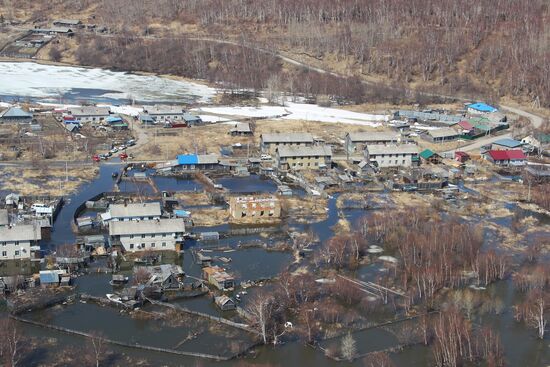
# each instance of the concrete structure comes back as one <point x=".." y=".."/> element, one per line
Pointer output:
<point x="269" y="143"/>
<point x="303" y="157"/>
<point x="132" y="211"/>
<point x="384" y="156"/>
<point x="218" y="277"/>
<point x="356" y="142"/>
<point x="19" y="242"/>
<point x="15" y="115"/>
<point x="506" y="157"/>
<point x="90" y="113"/>
<point x="441" y="135"/>
<point x="162" y="113"/>
<point x="254" y="207"/>
<point x="154" y="235"/>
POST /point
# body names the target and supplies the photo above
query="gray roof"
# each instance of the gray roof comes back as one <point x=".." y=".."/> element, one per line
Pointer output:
<point x="373" y="136"/>
<point x="90" y="111"/>
<point x="15" y="112"/>
<point x="147" y="227"/>
<point x="23" y="232"/>
<point x="315" y="150"/>
<point x="443" y="132"/>
<point x="163" y="272"/>
<point x="430" y="116"/>
<point x="191" y="117"/>
<point x="242" y="127"/>
<point x="4" y="218"/>
<point x="53" y="30"/>
<point x="67" y="21"/>
<point x="287" y="138"/>
<point x="163" y="110"/>
<point x="71" y="127"/>
<point x="207" y="159"/>
<point x="392" y="149"/>
<point x="135" y="210"/>
<point x="145" y="117"/>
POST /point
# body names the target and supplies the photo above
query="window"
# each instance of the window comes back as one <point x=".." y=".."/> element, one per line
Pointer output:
<point x="152" y="236"/>
<point x="164" y="244"/>
<point x="131" y="246"/>
<point x="142" y="245"/>
<point x="4" y="254"/>
<point x="16" y="252"/>
<point x="142" y="236"/>
<point x="164" y="235"/>
<point x="131" y="236"/>
<point x="152" y="244"/>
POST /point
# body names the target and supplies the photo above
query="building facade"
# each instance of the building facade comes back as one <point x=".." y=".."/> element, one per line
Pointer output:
<point x="161" y="113"/>
<point x="153" y="235"/>
<point x="356" y="142"/>
<point x="385" y="156"/>
<point x="132" y="211"/>
<point x="270" y="143"/>
<point x="20" y="241"/>
<point x="303" y="157"/>
<point x="90" y="113"/>
<point x="255" y="207"/>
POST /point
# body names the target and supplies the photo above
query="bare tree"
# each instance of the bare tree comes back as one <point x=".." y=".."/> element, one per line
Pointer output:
<point x="11" y="343"/>
<point x="348" y="348"/>
<point x="97" y="348"/>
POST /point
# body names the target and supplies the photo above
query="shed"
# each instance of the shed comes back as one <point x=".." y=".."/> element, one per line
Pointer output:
<point x="461" y="156"/>
<point x="191" y="119"/>
<point x="225" y="303"/>
<point x="480" y="107"/>
<point x="430" y="156"/>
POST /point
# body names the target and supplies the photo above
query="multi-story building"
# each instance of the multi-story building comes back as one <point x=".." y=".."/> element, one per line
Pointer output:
<point x="132" y="211"/>
<point x="356" y="142"/>
<point x="19" y="241"/>
<point x="304" y="157"/>
<point x="154" y="235"/>
<point x="383" y="156"/>
<point x="270" y="143"/>
<point x="255" y="207"/>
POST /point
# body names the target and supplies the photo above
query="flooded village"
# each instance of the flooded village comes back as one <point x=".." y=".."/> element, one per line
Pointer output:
<point x="154" y="221"/>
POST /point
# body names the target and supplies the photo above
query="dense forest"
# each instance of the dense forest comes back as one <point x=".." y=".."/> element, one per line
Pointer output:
<point x="491" y="48"/>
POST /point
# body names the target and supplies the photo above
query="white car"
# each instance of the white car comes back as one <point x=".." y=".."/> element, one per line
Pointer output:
<point x="265" y="157"/>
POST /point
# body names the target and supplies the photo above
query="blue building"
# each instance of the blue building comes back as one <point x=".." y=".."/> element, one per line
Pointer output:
<point x="481" y="107"/>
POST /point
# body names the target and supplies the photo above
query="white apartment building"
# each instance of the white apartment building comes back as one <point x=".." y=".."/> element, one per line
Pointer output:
<point x="391" y="155"/>
<point x="155" y="235"/>
<point x="19" y="241"/>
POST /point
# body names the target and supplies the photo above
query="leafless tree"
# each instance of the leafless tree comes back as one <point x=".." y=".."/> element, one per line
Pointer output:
<point x="11" y="343"/>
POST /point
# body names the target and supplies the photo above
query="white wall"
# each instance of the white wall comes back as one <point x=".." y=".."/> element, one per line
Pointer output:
<point x="8" y="250"/>
<point x="157" y="242"/>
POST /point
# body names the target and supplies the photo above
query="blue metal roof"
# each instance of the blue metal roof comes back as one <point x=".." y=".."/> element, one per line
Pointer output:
<point x="507" y="142"/>
<point x="49" y="277"/>
<point x="113" y="119"/>
<point x="482" y="107"/>
<point x="188" y="159"/>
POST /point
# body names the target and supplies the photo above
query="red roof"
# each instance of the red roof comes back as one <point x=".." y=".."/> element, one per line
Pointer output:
<point x="506" y="155"/>
<point x="465" y="125"/>
<point x="461" y="154"/>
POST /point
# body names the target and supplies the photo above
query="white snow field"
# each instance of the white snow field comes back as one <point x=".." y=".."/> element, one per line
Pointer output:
<point x="28" y="79"/>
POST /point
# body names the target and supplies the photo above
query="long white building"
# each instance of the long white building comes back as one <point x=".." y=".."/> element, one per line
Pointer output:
<point x="133" y="211"/>
<point x="391" y="155"/>
<point x="19" y="241"/>
<point x="155" y="235"/>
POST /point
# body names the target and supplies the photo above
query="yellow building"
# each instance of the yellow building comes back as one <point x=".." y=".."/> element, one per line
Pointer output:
<point x="304" y="158"/>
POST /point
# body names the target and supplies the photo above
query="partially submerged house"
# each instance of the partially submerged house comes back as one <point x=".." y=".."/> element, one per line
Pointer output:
<point x="197" y="162"/>
<point x="303" y="157"/>
<point x="225" y="303"/>
<point x="15" y="115"/>
<point x="165" y="276"/>
<point x="383" y="156"/>
<point x="269" y="143"/>
<point x="90" y="113"/>
<point x="506" y="157"/>
<point x="132" y="211"/>
<point x="164" y="113"/>
<point x="254" y="207"/>
<point x="356" y="142"/>
<point x="154" y="235"/>
<point x="441" y="135"/>
<point x="218" y="277"/>
<point x="241" y="129"/>
<point x="19" y="242"/>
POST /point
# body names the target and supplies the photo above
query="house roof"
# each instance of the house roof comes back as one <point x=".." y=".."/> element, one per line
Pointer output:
<point x="287" y="138"/>
<point x="164" y="271"/>
<point x="53" y="30"/>
<point x="113" y="119"/>
<point x="90" y="111"/>
<point x="146" y="227"/>
<point x="443" y="132"/>
<point x="506" y="155"/>
<point x="482" y="107"/>
<point x="242" y="127"/>
<point x="542" y="138"/>
<point x="67" y="21"/>
<point x="372" y="136"/>
<point x="303" y="151"/>
<point x="427" y="154"/>
<point x="145" y="117"/>
<point x="191" y="117"/>
<point x="430" y="116"/>
<point x="465" y="125"/>
<point x="197" y="159"/>
<point x="22" y="232"/>
<point x="15" y="112"/>
<point x="508" y="142"/>
<point x="135" y="210"/>
<point x="71" y="127"/>
<point x="392" y="149"/>
<point x="163" y="110"/>
<point x="461" y="154"/>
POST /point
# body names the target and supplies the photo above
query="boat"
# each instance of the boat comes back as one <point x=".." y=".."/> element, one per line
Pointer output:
<point x="114" y="298"/>
<point x="118" y="279"/>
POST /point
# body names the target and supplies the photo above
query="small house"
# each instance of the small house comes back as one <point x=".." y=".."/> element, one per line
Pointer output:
<point x="461" y="156"/>
<point x="165" y="276"/>
<point x="218" y="277"/>
<point x="152" y="235"/>
<point x="429" y="156"/>
<point x="465" y="127"/>
<point x="441" y="135"/>
<point x="191" y="120"/>
<point x="90" y="113"/>
<point x="506" y="157"/>
<point x="225" y="303"/>
<point x="51" y="278"/>
<point x="15" y="115"/>
<point x="197" y="162"/>
<point x="164" y="113"/>
<point x="146" y="119"/>
<point x="241" y="129"/>
<point x="481" y="108"/>
<point x="68" y="23"/>
<point x="540" y="141"/>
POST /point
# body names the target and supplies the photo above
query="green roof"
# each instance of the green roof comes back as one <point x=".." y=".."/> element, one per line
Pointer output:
<point x="542" y="138"/>
<point x="427" y="154"/>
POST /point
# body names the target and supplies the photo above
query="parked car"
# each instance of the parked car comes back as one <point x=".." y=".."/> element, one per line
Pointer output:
<point x="96" y="158"/>
<point x="131" y="142"/>
<point x="265" y="157"/>
<point x="114" y="150"/>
